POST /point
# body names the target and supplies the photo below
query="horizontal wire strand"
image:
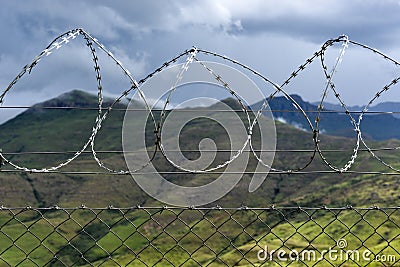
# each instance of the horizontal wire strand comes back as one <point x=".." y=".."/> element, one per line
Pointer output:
<point x="205" y="150"/>
<point x="205" y="109"/>
<point x="217" y="208"/>
<point x="199" y="173"/>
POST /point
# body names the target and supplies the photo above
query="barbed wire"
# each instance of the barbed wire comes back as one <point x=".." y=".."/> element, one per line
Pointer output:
<point x="272" y="172"/>
<point x="205" y="109"/>
<point x="192" y="55"/>
<point x="203" y="150"/>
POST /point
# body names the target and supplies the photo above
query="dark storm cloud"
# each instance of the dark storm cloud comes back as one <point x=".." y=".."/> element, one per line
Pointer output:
<point x="375" y="22"/>
<point x="143" y="34"/>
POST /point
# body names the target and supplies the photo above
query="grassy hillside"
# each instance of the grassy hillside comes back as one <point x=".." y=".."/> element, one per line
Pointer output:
<point x="61" y="130"/>
<point x="66" y="130"/>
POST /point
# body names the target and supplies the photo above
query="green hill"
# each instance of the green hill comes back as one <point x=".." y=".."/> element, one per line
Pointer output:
<point x="58" y="130"/>
<point x="42" y="129"/>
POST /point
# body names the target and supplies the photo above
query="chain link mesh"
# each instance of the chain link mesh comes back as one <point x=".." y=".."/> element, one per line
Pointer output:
<point x="166" y="236"/>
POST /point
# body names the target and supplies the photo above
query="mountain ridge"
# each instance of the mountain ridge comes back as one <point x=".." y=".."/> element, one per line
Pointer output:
<point x="62" y="130"/>
<point x="388" y="106"/>
<point x="333" y="121"/>
<point x="82" y="183"/>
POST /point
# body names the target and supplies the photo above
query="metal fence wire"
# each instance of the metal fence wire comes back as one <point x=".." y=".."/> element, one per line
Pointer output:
<point x="199" y="236"/>
<point x="171" y="236"/>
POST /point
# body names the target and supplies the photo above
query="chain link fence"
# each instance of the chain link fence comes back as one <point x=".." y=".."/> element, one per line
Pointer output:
<point x="166" y="236"/>
<point x="215" y="236"/>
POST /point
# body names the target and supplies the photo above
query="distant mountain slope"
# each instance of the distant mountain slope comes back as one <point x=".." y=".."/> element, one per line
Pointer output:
<point x="384" y="107"/>
<point x="58" y="129"/>
<point x="65" y="130"/>
<point x="376" y="126"/>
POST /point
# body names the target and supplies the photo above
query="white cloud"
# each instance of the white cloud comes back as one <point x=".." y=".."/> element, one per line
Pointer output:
<point x="209" y="13"/>
<point x="137" y="63"/>
<point x="281" y="119"/>
<point x="270" y="9"/>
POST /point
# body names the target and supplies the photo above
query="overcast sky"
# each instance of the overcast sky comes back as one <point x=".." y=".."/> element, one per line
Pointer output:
<point x="274" y="37"/>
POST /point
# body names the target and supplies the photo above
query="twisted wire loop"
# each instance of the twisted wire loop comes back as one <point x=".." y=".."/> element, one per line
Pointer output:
<point x="192" y="55"/>
<point x="213" y="236"/>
